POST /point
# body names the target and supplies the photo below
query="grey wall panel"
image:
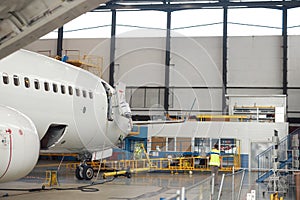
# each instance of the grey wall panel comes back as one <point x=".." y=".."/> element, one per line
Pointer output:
<point x="254" y="61"/>
<point x="293" y="61"/>
<point x="209" y="100"/>
<point x="293" y="100"/>
<point x="258" y="91"/>
<point x="43" y="46"/>
<point x="140" y="61"/>
<point x="93" y="46"/>
<point x="196" y="61"/>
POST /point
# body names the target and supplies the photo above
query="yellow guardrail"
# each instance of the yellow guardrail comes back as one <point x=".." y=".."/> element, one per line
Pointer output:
<point x="221" y="117"/>
<point x="198" y="163"/>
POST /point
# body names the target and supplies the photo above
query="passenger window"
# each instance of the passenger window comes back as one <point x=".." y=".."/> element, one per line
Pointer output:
<point x="26" y="82"/>
<point x="84" y="93"/>
<point x="16" y="80"/>
<point x="46" y="86"/>
<point x="55" y="89"/>
<point x="91" y="95"/>
<point x="70" y="90"/>
<point x="36" y="84"/>
<point x="77" y="92"/>
<point x="5" y="78"/>
<point x="63" y="89"/>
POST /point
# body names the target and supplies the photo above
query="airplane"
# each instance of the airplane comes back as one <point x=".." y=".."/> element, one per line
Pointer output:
<point x="49" y="105"/>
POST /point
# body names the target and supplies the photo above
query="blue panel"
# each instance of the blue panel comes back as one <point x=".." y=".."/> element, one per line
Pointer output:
<point x="143" y="132"/>
<point x="244" y="160"/>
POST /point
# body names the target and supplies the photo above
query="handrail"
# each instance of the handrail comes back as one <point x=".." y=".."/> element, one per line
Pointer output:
<point x="272" y="146"/>
<point x="260" y="157"/>
<point x="280" y="142"/>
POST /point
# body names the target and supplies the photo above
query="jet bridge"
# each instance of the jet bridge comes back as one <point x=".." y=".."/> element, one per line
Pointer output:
<point x="24" y="21"/>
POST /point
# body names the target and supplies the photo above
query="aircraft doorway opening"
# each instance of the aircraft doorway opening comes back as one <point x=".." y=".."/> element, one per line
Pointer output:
<point x="109" y="101"/>
<point x="53" y="135"/>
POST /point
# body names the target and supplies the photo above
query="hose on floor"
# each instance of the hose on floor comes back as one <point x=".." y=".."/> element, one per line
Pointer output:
<point x="84" y="188"/>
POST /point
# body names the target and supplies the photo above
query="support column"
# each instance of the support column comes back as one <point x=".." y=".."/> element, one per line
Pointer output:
<point x="224" y="59"/>
<point x="112" y="47"/>
<point x="284" y="50"/>
<point x="59" y="46"/>
<point x="167" y="63"/>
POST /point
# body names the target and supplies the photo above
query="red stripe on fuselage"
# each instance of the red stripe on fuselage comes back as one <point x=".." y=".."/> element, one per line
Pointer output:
<point x="10" y="156"/>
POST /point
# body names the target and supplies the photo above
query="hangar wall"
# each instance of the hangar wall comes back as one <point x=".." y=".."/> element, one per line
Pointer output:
<point x="254" y="67"/>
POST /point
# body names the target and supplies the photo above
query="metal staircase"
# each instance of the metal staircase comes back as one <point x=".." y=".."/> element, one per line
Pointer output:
<point x="285" y="157"/>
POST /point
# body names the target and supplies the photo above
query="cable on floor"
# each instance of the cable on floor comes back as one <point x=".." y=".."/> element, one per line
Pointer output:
<point x="84" y="188"/>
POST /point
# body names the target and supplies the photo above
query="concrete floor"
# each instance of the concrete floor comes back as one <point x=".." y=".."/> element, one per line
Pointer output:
<point x="150" y="186"/>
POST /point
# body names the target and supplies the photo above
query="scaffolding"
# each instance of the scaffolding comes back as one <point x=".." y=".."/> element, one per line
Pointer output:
<point x="91" y="63"/>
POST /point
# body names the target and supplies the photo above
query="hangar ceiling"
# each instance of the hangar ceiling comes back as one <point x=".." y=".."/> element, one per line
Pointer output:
<point x="24" y="21"/>
<point x="173" y="5"/>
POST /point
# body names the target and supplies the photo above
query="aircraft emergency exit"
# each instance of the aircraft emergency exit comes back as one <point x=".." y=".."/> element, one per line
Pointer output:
<point x="53" y="106"/>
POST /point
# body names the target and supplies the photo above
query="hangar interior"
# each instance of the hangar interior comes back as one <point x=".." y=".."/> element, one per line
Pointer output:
<point x="238" y="91"/>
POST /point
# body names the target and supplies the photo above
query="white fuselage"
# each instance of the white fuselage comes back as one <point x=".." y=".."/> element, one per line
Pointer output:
<point x="53" y="93"/>
<point x="19" y="144"/>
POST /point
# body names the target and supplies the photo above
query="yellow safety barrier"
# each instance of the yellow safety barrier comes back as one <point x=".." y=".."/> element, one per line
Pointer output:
<point x="275" y="197"/>
<point x="221" y="117"/>
<point x="51" y="178"/>
<point x="198" y="163"/>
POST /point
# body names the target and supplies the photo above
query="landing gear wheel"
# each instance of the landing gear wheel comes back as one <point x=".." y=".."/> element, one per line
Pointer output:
<point x="78" y="173"/>
<point x="88" y="172"/>
<point x="129" y="175"/>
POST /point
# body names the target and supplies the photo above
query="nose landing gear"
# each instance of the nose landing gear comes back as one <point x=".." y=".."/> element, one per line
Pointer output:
<point x="84" y="172"/>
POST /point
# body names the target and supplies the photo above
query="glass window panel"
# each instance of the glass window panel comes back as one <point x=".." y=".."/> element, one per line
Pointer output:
<point x="138" y="98"/>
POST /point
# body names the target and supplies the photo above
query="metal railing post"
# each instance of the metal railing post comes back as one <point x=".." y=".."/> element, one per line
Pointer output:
<point x="182" y="195"/>
<point x="221" y="187"/>
<point x="241" y="184"/>
<point x="232" y="184"/>
<point x="177" y="194"/>
<point x="212" y="186"/>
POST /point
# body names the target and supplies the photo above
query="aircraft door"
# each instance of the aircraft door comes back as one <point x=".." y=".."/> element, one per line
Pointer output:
<point x="109" y="95"/>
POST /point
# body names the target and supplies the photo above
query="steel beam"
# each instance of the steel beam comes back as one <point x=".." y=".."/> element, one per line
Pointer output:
<point x="186" y="5"/>
<point x="224" y="58"/>
<point x="60" y="36"/>
<point x="284" y="51"/>
<point x="167" y="63"/>
<point x="112" y="47"/>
